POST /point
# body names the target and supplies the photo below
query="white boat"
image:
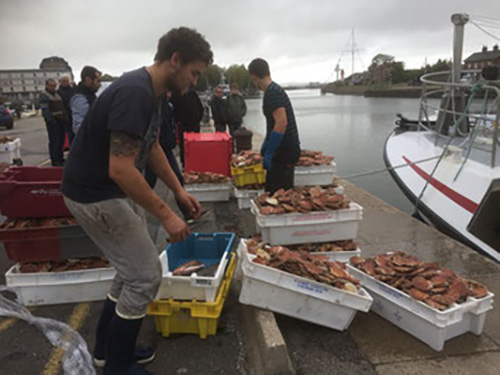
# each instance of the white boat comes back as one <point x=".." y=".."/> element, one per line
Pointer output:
<point x="450" y="168"/>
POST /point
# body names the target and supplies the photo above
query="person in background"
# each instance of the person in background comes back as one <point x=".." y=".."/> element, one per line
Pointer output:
<point x="55" y="117"/>
<point x="281" y="147"/>
<point x="188" y="111"/>
<point x="105" y="190"/>
<point x="218" y="106"/>
<point x="168" y="141"/>
<point x="65" y="91"/>
<point x="236" y="109"/>
<point x="84" y="95"/>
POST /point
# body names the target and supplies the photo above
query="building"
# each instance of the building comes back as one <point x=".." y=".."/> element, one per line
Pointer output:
<point x="484" y="58"/>
<point x="27" y="84"/>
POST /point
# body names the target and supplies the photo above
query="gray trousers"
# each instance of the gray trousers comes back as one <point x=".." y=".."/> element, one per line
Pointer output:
<point x="119" y="228"/>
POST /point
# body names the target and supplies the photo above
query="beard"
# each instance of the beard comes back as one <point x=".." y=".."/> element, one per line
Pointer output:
<point x="173" y="85"/>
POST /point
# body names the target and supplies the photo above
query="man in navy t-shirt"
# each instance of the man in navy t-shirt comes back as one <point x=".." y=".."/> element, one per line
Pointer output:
<point x="104" y="188"/>
<point x="281" y="147"/>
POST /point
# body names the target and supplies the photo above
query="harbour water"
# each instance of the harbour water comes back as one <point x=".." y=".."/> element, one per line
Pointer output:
<point x="352" y="128"/>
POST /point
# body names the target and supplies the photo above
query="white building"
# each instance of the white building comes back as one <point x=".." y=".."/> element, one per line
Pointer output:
<point x="27" y="84"/>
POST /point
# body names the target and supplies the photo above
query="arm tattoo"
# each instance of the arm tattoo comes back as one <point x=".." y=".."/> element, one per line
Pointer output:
<point x="123" y="144"/>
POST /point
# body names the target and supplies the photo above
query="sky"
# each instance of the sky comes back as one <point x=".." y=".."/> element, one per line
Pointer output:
<point x="302" y="40"/>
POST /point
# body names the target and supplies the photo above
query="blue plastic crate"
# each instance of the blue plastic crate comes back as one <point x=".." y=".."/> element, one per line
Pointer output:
<point x="207" y="248"/>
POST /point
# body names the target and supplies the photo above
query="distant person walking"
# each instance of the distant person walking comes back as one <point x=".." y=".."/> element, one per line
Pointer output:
<point x="84" y="95"/>
<point x="236" y="109"/>
<point x="66" y="91"/>
<point x="188" y="112"/>
<point x="219" y="111"/>
<point x="281" y="147"/>
<point x="55" y="117"/>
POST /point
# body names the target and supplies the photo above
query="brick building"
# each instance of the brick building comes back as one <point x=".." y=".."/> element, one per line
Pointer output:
<point x="484" y="58"/>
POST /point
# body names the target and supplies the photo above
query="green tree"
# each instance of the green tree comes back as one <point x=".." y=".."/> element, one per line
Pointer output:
<point x="211" y="77"/>
<point x="238" y="74"/>
<point x="108" y="78"/>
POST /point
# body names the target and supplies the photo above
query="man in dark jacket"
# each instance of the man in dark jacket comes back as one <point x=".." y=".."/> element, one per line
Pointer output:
<point x="55" y="117"/>
<point x="218" y="106"/>
<point x="236" y="109"/>
<point x="188" y="111"/>
<point x="84" y="95"/>
<point x="66" y="91"/>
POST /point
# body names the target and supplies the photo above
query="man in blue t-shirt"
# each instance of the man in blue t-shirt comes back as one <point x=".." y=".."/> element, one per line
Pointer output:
<point x="281" y="147"/>
<point x="104" y="188"/>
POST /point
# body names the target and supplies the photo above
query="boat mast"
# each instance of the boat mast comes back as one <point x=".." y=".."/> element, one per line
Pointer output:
<point x="459" y="20"/>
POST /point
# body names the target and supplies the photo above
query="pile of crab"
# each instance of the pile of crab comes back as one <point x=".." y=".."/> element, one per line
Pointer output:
<point x="336" y="246"/>
<point x="246" y="158"/>
<point x="313" y="267"/>
<point x="205" y="178"/>
<point x="64" y="265"/>
<point x="37" y="223"/>
<point x="310" y="158"/>
<point x="438" y="287"/>
<point x="301" y="199"/>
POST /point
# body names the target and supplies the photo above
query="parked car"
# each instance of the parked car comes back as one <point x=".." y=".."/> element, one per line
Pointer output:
<point x="6" y="118"/>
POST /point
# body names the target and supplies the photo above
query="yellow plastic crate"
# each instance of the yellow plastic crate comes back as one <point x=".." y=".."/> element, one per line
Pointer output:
<point x="253" y="174"/>
<point x="199" y="318"/>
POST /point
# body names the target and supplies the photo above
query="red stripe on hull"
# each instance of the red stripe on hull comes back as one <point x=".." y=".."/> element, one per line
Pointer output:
<point x="458" y="198"/>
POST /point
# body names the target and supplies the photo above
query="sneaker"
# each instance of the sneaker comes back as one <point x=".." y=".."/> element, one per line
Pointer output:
<point x="143" y="355"/>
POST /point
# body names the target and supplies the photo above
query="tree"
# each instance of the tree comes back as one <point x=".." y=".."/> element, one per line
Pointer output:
<point x="382" y="59"/>
<point x="238" y="74"/>
<point x="381" y="69"/>
<point x="211" y="77"/>
<point x="108" y="78"/>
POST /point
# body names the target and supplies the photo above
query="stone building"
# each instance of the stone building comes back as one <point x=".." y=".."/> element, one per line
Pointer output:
<point x="27" y="84"/>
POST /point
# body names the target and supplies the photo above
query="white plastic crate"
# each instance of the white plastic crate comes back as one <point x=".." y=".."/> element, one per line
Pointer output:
<point x="298" y="297"/>
<point x="314" y="175"/>
<point x="425" y="323"/>
<point x="245" y="197"/>
<point x="190" y="287"/>
<point x="50" y="288"/>
<point x="311" y="227"/>
<point x="209" y="192"/>
<point x="10" y="151"/>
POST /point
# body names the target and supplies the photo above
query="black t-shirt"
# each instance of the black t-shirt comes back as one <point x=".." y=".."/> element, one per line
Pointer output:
<point x="128" y="105"/>
<point x="275" y="97"/>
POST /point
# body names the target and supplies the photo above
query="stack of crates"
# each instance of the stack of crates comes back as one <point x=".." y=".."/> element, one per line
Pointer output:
<point x="193" y="304"/>
<point x="34" y="194"/>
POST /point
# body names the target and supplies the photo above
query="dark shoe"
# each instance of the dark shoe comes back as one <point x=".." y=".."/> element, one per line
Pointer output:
<point x="120" y="348"/>
<point x="142" y="354"/>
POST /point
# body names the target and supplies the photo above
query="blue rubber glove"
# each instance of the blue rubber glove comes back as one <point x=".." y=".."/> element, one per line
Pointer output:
<point x="263" y="147"/>
<point x="274" y="142"/>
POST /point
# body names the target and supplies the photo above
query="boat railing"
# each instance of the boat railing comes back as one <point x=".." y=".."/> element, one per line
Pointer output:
<point x="484" y="123"/>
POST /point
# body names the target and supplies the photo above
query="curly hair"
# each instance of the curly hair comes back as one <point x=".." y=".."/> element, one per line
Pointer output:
<point x="190" y="44"/>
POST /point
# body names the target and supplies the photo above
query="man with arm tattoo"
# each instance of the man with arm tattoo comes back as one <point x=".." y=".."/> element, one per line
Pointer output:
<point x="104" y="188"/>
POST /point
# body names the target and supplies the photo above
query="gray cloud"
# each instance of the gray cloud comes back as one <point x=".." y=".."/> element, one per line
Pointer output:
<point x="303" y="40"/>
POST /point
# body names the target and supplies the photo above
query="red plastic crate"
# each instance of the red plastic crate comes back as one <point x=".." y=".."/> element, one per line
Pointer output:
<point x="208" y="152"/>
<point x="47" y="243"/>
<point x="32" y="192"/>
